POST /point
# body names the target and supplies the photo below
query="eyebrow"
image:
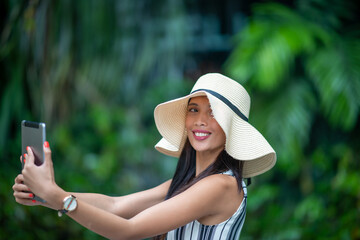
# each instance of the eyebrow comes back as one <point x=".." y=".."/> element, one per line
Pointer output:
<point x="196" y="105"/>
<point x="193" y="104"/>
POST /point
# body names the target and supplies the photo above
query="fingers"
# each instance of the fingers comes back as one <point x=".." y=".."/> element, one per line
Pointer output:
<point x="20" y="187"/>
<point x="19" y="178"/>
<point x="25" y="200"/>
<point x="29" y="157"/>
<point x="23" y="159"/>
<point x="22" y="193"/>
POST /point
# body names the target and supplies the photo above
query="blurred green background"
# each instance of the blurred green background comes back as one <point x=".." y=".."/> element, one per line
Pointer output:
<point x="94" y="70"/>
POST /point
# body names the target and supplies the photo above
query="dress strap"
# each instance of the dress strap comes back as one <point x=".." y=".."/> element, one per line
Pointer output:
<point x="244" y="188"/>
<point x="228" y="172"/>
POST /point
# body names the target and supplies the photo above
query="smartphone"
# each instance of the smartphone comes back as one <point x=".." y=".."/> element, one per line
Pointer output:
<point x="33" y="135"/>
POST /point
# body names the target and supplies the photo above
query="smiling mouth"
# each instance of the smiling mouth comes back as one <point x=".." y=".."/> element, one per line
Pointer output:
<point x="198" y="134"/>
<point x="201" y="135"/>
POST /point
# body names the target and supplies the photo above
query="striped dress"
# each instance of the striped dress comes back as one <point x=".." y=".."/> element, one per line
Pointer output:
<point x="227" y="230"/>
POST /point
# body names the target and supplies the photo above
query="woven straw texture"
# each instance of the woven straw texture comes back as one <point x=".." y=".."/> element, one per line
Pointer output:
<point x="243" y="141"/>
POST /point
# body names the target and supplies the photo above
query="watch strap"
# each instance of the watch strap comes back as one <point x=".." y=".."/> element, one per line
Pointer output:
<point x="61" y="212"/>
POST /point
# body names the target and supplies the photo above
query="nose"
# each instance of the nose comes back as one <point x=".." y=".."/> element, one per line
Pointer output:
<point x="201" y="119"/>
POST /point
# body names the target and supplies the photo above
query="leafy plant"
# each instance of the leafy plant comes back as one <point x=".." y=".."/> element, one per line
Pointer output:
<point x="304" y="78"/>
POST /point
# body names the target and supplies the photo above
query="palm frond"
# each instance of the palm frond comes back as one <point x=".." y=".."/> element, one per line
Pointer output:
<point x="335" y="74"/>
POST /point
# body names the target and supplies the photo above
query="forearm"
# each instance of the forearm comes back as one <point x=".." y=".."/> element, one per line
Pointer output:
<point x="101" y="222"/>
<point x="129" y="205"/>
<point x="125" y="206"/>
<point x="94" y="218"/>
<point x="101" y="201"/>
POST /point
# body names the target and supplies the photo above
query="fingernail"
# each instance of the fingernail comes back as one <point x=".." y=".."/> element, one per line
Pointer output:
<point x="34" y="201"/>
<point x="27" y="148"/>
<point x="31" y="195"/>
<point x="46" y="144"/>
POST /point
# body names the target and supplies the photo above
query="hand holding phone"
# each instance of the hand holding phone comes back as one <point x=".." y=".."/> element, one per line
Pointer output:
<point x="33" y="135"/>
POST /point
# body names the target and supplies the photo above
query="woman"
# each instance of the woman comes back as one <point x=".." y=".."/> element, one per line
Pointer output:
<point x="206" y="199"/>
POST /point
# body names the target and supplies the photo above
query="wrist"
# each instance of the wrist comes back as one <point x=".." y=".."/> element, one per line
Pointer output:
<point x="56" y="197"/>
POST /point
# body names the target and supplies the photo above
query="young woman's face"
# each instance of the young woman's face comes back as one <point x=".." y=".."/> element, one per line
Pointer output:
<point x="203" y="131"/>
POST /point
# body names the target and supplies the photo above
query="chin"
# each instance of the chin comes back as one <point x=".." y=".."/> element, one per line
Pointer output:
<point x="202" y="148"/>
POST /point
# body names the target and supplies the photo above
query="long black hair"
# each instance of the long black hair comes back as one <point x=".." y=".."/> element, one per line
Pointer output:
<point x="185" y="173"/>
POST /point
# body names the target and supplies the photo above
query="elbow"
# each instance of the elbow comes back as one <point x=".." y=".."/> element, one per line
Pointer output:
<point x="122" y="238"/>
<point x="127" y="237"/>
<point x="130" y="233"/>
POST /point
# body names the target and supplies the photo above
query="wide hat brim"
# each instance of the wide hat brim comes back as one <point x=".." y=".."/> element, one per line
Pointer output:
<point x="243" y="141"/>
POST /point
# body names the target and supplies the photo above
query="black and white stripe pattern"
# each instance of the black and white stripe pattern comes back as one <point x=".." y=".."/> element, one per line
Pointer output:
<point x="228" y="230"/>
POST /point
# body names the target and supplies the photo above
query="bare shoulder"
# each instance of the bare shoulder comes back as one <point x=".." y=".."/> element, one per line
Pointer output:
<point x="218" y="182"/>
<point x="217" y="188"/>
<point x="223" y="195"/>
<point x="210" y="201"/>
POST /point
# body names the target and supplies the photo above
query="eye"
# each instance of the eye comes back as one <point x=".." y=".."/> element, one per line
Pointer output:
<point x="192" y="110"/>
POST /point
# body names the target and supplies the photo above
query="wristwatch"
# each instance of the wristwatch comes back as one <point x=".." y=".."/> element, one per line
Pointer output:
<point x="69" y="205"/>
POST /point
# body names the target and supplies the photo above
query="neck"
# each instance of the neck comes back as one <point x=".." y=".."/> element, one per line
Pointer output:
<point x="204" y="160"/>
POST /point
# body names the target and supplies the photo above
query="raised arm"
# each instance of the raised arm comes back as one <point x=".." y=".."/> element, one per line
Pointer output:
<point x="205" y="198"/>
<point x="124" y="206"/>
<point x="201" y="200"/>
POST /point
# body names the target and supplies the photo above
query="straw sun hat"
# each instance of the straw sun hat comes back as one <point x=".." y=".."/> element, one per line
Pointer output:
<point x="230" y="104"/>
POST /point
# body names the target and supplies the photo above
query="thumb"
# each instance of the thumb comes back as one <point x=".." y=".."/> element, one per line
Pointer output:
<point x="48" y="159"/>
<point x="29" y="156"/>
<point x="47" y="153"/>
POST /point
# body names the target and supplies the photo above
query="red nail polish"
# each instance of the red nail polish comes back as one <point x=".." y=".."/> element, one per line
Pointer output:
<point x="31" y="195"/>
<point x="34" y="201"/>
<point x="27" y="148"/>
<point x="46" y="144"/>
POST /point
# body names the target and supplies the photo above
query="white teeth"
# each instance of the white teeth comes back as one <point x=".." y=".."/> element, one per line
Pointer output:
<point x="201" y="134"/>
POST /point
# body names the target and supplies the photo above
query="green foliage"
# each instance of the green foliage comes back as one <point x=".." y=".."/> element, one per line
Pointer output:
<point x="95" y="70"/>
<point x="304" y="77"/>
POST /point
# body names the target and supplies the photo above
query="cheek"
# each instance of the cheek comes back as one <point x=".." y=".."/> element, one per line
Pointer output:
<point x="187" y="122"/>
<point x="223" y="138"/>
<point x="188" y="125"/>
<point x="220" y="133"/>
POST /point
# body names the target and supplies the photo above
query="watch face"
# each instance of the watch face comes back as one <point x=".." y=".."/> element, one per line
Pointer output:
<point x="70" y="203"/>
